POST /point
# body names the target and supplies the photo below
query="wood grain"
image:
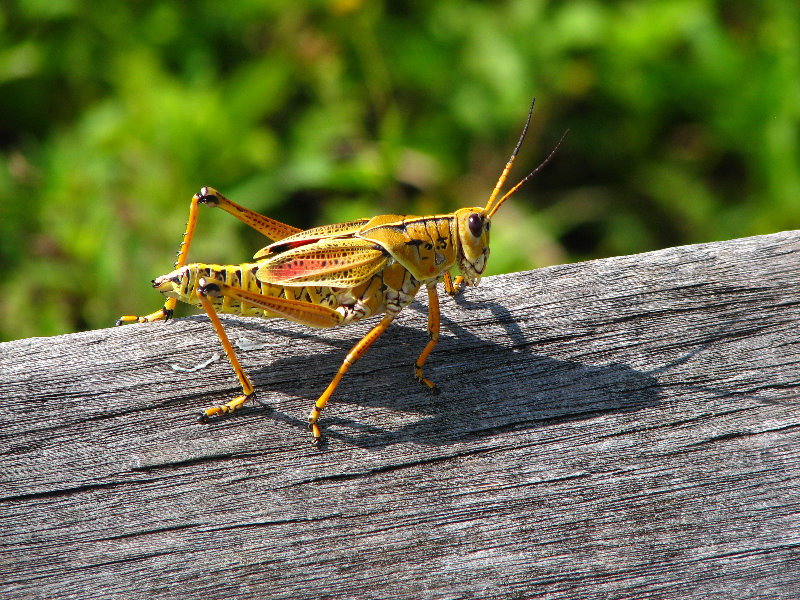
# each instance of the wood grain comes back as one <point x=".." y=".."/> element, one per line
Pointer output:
<point x="625" y="427"/>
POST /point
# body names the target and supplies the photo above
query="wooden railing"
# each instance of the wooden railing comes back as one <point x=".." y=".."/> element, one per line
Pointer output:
<point x="627" y="427"/>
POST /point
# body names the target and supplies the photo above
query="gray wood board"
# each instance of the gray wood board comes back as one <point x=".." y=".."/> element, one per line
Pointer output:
<point x="625" y="427"/>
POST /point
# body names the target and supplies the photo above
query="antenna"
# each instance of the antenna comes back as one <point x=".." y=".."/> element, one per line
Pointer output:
<point x="528" y="176"/>
<point x="510" y="162"/>
<point x="508" y="194"/>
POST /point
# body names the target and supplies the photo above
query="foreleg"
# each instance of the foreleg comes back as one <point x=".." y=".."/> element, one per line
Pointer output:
<point x="450" y="286"/>
<point x="433" y="338"/>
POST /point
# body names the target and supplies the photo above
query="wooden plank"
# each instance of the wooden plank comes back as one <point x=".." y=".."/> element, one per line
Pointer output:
<point x="619" y="428"/>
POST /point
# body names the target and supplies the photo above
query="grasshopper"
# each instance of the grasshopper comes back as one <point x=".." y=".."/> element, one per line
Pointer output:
<point x="335" y="275"/>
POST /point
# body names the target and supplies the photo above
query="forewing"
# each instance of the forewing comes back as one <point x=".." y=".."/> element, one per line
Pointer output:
<point x="310" y="236"/>
<point x="333" y="262"/>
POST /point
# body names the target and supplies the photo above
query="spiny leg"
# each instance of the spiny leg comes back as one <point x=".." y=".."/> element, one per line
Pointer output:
<point x="275" y="230"/>
<point x="433" y="335"/>
<point x="166" y="311"/>
<point x="357" y="352"/>
<point x="204" y="290"/>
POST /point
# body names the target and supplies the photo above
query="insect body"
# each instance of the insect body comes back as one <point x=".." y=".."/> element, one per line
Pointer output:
<point x="335" y="274"/>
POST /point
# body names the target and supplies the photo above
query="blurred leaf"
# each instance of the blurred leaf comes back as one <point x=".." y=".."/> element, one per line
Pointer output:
<point x="685" y="119"/>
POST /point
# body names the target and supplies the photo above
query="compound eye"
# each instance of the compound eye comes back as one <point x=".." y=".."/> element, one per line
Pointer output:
<point x="475" y="224"/>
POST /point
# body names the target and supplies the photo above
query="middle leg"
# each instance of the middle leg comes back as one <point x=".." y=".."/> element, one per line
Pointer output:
<point x="357" y="352"/>
<point x="433" y="338"/>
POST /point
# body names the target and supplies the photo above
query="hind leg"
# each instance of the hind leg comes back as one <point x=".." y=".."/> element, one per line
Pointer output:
<point x="275" y="230"/>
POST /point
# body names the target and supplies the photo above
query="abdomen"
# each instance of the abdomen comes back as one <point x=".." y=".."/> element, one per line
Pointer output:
<point x="389" y="290"/>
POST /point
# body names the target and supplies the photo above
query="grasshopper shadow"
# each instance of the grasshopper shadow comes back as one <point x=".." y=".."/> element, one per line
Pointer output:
<point x="487" y="386"/>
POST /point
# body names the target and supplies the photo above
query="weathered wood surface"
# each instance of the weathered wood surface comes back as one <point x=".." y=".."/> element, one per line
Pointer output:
<point x="626" y="427"/>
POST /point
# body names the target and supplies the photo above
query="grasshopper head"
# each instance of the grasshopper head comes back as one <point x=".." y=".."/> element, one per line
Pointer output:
<point x="473" y="242"/>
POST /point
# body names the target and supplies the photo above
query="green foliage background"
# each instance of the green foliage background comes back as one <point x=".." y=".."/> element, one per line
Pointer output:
<point x="684" y="118"/>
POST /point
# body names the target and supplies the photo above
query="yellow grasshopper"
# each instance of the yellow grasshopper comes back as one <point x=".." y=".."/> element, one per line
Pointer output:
<point x="335" y="274"/>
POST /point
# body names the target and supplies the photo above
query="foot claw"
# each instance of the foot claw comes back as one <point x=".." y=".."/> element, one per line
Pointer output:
<point x="432" y="387"/>
<point x="224" y="409"/>
<point x="317" y="441"/>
